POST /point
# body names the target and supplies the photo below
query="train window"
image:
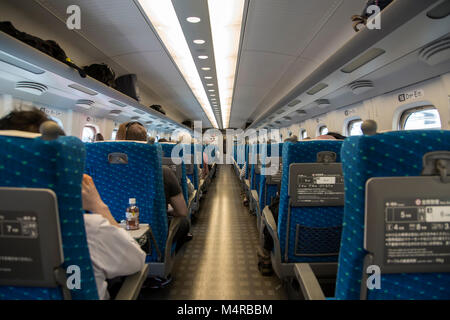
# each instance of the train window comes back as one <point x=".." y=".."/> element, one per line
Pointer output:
<point x="303" y="134"/>
<point x="114" y="134"/>
<point x="426" y="117"/>
<point x="323" y="130"/>
<point x="88" y="134"/>
<point x="354" y="128"/>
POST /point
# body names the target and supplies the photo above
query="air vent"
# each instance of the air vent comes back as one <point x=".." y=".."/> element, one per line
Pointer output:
<point x="294" y="103"/>
<point x="82" y="89"/>
<point x="323" y="103"/>
<point x="436" y="52"/>
<point x="281" y="111"/>
<point x="19" y="63"/>
<point x="135" y="118"/>
<point x="115" y="113"/>
<point x="440" y="11"/>
<point x="363" y="60"/>
<point x="117" y="103"/>
<point x="317" y="88"/>
<point x="360" y="86"/>
<point x="301" y="111"/>
<point x="85" y="104"/>
<point x="31" y="87"/>
<point x="138" y="111"/>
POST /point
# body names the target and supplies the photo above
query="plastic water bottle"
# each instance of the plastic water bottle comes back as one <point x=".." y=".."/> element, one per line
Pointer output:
<point x="132" y="215"/>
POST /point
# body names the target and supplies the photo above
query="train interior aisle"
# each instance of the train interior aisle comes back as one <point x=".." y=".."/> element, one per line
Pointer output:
<point x="220" y="263"/>
<point x="246" y="150"/>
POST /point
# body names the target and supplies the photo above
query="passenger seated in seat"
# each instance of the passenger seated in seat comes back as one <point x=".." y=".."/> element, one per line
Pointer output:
<point x="174" y="196"/>
<point x="337" y="136"/>
<point x="292" y="139"/>
<point x="206" y="166"/>
<point x="99" y="137"/>
<point x="28" y="121"/>
<point x="113" y="252"/>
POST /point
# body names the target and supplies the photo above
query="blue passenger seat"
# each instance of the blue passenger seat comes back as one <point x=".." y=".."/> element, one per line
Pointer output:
<point x="127" y="169"/>
<point x="393" y="154"/>
<point x="266" y="192"/>
<point x="388" y="155"/>
<point x="57" y="165"/>
<point x="303" y="233"/>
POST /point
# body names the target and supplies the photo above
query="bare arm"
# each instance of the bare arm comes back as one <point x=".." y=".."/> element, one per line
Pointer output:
<point x="92" y="201"/>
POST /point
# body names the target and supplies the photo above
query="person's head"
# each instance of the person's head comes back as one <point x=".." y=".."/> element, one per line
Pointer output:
<point x="132" y="131"/>
<point x="163" y="140"/>
<point x="292" y="139"/>
<point x="337" y="136"/>
<point x="99" y="137"/>
<point x="24" y="120"/>
<point x="325" y="137"/>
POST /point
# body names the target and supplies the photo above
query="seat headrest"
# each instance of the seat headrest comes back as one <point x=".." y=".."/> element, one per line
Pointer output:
<point x="19" y="134"/>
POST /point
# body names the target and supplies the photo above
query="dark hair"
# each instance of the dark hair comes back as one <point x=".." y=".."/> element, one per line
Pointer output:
<point x="133" y="130"/>
<point x="23" y="120"/>
<point x="337" y="136"/>
<point x="292" y="139"/>
<point x="163" y="140"/>
<point x="99" y="137"/>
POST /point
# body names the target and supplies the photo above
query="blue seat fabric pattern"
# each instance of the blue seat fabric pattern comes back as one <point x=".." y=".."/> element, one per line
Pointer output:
<point x="141" y="179"/>
<point x="392" y="154"/>
<point x="310" y="217"/>
<point x="57" y="165"/>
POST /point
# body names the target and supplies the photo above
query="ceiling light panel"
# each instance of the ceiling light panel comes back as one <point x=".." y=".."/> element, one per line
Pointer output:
<point x="204" y="54"/>
<point x="226" y="24"/>
<point x="163" y="16"/>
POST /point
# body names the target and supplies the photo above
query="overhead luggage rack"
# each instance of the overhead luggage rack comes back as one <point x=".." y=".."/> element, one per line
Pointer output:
<point x="21" y="63"/>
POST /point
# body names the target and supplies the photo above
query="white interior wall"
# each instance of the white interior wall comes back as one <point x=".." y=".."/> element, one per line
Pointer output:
<point x="386" y="109"/>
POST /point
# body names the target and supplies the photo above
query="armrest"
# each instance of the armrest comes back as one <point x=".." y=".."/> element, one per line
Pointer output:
<point x="173" y="228"/>
<point x="132" y="285"/>
<point x="270" y="222"/>
<point x="308" y="282"/>
<point x="192" y="198"/>
<point x="255" y="196"/>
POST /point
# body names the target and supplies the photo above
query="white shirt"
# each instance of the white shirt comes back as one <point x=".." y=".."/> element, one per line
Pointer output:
<point x="113" y="252"/>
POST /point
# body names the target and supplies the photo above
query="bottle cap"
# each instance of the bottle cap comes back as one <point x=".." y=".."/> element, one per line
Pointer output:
<point x="132" y="201"/>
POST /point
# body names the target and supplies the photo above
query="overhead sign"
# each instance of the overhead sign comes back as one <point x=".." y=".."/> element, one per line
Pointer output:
<point x="410" y="96"/>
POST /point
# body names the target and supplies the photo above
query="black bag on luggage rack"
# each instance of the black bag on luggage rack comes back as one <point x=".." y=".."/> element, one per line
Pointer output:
<point x="102" y="73"/>
<point x="127" y="84"/>
<point x="158" y="108"/>
<point x="360" y="20"/>
<point x="188" y="123"/>
<point x="48" y="47"/>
